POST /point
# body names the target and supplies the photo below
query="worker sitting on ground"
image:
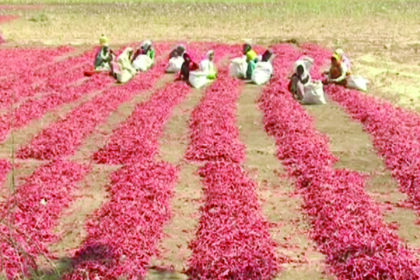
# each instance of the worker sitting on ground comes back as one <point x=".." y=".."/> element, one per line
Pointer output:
<point x="339" y="73"/>
<point x="187" y="66"/>
<point x="144" y="57"/>
<point x="251" y="60"/>
<point x="104" y="56"/>
<point x="264" y="69"/>
<point x="301" y="85"/>
<point x="177" y="51"/>
<point x="207" y="66"/>
<point x="205" y="74"/>
<point x="176" y="59"/>
<point x="123" y="70"/>
<point x="340" y="53"/>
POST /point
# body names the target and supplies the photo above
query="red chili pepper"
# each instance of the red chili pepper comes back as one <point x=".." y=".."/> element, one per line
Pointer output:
<point x="346" y="224"/>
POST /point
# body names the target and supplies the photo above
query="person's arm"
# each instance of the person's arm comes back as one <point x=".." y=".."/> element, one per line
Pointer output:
<point x="97" y="58"/>
<point x="248" y="56"/>
<point x="136" y="54"/>
<point x="109" y="56"/>
<point x="193" y="66"/>
<point x="173" y="53"/>
<point x="342" y="76"/>
<point x="112" y="55"/>
<point x="181" y="73"/>
<point x="213" y="71"/>
<point x="180" y="76"/>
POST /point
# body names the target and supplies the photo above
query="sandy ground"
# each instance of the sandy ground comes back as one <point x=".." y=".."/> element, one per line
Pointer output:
<point x="382" y="39"/>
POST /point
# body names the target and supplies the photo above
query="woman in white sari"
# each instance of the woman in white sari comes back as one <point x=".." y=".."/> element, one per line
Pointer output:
<point x="124" y="70"/>
<point x="301" y="85"/>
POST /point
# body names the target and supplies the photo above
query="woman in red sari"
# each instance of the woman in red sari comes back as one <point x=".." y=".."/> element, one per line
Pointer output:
<point x="188" y="66"/>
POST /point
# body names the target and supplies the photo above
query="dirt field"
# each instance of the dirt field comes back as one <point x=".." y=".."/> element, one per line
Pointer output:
<point x="381" y="37"/>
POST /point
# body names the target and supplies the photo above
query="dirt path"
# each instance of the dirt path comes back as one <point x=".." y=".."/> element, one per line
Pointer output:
<point x="98" y="139"/>
<point x="281" y="206"/>
<point x="354" y="148"/>
<point x="23" y="136"/>
<point x="93" y="193"/>
<point x="185" y="204"/>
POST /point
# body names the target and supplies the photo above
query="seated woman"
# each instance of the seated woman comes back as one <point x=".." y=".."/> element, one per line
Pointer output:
<point x="188" y="66"/>
<point x="263" y="69"/>
<point x="339" y="72"/>
<point x="177" y="51"/>
<point x="340" y="53"/>
<point x="251" y="59"/>
<point x="301" y="85"/>
<point x="144" y="57"/>
<point x="104" y="56"/>
<point x="123" y="70"/>
<point x="207" y="66"/>
<point x="205" y="74"/>
<point x="176" y="59"/>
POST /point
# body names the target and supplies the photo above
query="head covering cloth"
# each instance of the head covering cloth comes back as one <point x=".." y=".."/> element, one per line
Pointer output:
<point x="209" y="54"/>
<point x="103" y="41"/>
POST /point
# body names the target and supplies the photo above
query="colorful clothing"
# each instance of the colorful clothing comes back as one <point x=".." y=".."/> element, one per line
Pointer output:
<point x="151" y="53"/>
<point x="252" y="64"/>
<point x="103" y="41"/>
<point x="207" y="66"/>
<point x="339" y="72"/>
<point x="251" y="59"/>
<point x="186" y="67"/>
<point x="301" y="85"/>
<point x="176" y="52"/>
<point x="343" y="57"/>
<point x="126" y="70"/>
<point x="103" y="59"/>
<point x="251" y="55"/>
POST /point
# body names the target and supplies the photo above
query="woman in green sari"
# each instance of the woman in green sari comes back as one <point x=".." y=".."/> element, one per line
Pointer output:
<point x="104" y="56"/>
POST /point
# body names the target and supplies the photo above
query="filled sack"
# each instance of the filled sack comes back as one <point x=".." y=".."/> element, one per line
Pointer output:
<point x="142" y="63"/>
<point x="175" y="64"/>
<point x="238" y="67"/>
<point x="198" y="79"/>
<point x="314" y="93"/>
<point x="262" y="73"/>
<point x="357" y="82"/>
<point x="209" y="68"/>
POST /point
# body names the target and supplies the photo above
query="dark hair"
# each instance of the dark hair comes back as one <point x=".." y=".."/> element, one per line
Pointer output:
<point x="300" y="68"/>
<point x="246" y="48"/>
<point x="186" y="56"/>
<point x="267" y="55"/>
<point x="180" y="49"/>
